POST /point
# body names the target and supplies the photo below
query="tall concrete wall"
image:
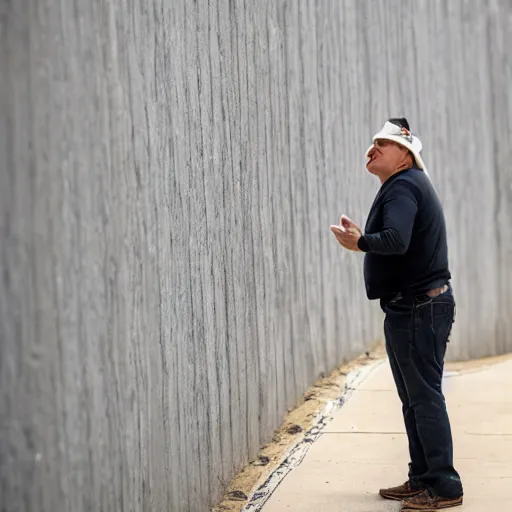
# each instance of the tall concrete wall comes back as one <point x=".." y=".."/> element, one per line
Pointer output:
<point x="169" y="172"/>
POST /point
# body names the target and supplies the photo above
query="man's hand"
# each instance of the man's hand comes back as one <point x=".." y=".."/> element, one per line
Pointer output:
<point x="347" y="234"/>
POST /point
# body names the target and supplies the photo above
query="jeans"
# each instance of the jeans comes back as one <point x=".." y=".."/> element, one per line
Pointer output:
<point x="417" y="333"/>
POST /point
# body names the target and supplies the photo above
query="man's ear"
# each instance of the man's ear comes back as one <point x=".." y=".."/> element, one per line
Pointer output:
<point x="409" y="159"/>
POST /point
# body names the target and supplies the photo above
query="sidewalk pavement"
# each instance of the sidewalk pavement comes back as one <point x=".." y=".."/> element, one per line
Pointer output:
<point x="364" y="447"/>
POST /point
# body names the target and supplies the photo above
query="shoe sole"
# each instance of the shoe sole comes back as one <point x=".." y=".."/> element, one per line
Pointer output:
<point x="401" y="497"/>
<point x="450" y="504"/>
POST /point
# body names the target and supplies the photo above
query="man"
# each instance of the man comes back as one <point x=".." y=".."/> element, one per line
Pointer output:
<point x="406" y="267"/>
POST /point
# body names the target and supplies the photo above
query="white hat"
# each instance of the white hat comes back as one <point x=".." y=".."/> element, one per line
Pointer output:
<point x="403" y="137"/>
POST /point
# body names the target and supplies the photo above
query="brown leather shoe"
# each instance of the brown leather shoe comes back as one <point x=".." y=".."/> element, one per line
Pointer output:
<point x="401" y="492"/>
<point x="429" y="502"/>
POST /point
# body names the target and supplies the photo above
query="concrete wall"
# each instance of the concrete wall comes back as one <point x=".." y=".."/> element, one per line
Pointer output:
<point x="169" y="172"/>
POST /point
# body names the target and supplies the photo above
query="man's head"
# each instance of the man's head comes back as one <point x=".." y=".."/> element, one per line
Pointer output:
<point x="394" y="148"/>
<point x="387" y="157"/>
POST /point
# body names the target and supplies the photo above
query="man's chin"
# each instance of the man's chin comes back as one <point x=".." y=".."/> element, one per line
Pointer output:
<point x="370" y="168"/>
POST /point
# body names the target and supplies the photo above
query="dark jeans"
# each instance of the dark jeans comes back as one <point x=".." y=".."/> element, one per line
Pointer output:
<point x="417" y="331"/>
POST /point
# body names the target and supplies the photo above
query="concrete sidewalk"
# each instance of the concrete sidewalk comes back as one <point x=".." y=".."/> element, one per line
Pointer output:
<point x="364" y="447"/>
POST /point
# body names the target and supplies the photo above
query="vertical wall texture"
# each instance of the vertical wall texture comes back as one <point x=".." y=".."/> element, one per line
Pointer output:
<point x="169" y="172"/>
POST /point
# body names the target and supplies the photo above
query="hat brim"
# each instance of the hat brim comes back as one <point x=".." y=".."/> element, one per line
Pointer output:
<point x="402" y="142"/>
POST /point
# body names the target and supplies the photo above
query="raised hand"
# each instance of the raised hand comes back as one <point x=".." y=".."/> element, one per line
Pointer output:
<point x="347" y="234"/>
<point x="349" y="225"/>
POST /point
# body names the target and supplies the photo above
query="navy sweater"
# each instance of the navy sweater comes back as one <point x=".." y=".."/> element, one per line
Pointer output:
<point x="405" y="238"/>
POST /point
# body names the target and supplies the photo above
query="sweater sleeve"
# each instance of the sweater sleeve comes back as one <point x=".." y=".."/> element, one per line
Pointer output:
<point x="398" y="213"/>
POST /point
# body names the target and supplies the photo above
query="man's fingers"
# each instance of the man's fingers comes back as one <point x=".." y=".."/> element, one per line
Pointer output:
<point x="340" y="231"/>
<point x="349" y="225"/>
<point x="337" y="232"/>
<point x="342" y="237"/>
<point x="345" y="222"/>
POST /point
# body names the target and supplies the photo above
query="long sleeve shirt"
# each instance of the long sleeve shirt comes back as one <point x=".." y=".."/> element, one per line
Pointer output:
<point x="405" y="238"/>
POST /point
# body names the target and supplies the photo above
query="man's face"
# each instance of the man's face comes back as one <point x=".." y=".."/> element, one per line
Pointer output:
<point x="385" y="157"/>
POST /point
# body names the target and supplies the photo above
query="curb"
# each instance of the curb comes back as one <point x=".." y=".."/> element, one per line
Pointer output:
<point x="294" y="456"/>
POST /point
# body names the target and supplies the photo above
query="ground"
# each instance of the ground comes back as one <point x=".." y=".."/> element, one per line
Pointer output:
<point x="301" y="418"/>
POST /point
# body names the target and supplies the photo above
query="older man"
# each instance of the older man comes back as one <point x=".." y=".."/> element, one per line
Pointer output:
<point x="406" y="267"/>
